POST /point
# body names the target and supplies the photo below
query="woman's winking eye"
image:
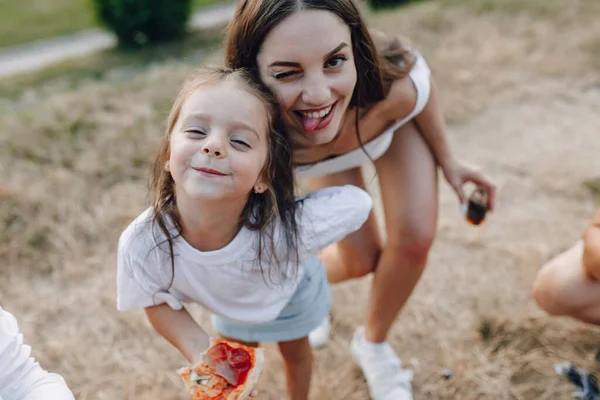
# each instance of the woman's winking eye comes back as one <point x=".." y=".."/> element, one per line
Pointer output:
<point x="283" y="75"/>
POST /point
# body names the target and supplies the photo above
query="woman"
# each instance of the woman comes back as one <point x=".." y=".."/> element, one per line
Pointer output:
<point x="340" y="88"/>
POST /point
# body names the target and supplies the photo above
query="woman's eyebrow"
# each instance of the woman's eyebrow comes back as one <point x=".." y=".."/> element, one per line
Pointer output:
<point x="297" y="65"/>
<point x="338" y="48"/>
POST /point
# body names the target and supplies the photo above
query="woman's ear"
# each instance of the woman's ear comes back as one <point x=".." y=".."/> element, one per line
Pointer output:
<point x="168" y="166"/>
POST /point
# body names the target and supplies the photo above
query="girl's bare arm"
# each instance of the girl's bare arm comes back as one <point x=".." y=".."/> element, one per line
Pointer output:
<point x="180" y="329"/>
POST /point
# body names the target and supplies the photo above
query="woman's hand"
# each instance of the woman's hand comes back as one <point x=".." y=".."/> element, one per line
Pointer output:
<point x="458" y="173"/>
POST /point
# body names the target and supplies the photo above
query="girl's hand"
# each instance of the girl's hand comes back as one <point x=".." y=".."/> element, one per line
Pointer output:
<point x="458" y="173"/>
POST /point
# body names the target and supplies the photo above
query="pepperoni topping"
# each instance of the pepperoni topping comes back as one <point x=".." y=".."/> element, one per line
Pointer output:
<point x="233" y="364"/>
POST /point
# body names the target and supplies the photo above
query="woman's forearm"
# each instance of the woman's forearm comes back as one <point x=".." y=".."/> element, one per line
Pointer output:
<point x="180" y="329"/>
<point x="433" y="128"/>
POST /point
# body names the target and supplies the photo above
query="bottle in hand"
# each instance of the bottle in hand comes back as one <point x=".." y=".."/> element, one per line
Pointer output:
<point x="476" y="206"/>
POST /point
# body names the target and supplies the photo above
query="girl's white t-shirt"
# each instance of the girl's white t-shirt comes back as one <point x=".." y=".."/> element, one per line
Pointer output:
<point x="229" y="282"/>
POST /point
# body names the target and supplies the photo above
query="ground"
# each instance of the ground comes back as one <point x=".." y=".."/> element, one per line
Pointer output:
<point x="521" y="94"/>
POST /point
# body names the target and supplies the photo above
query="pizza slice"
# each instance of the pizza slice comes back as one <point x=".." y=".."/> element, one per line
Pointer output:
<point x="228" y="371"/>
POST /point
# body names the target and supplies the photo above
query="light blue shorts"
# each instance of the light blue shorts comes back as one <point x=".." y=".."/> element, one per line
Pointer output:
<point x="305" y="311"/>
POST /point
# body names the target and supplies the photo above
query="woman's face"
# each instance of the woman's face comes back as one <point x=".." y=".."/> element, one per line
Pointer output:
<point x="307" y="60"/>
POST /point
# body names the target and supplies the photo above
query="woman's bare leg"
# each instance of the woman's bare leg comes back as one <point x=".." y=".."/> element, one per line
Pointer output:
<point x="408" y="179"/>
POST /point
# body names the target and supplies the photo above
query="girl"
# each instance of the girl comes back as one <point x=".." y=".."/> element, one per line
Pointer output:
<point x="225" y="231"/>
<point x="348" y="98"/>
<point x="21" y="378"/>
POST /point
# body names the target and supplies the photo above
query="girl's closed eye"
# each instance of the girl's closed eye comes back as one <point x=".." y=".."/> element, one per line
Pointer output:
<point x="195" y="132"/>
<point x="240" y="144"/>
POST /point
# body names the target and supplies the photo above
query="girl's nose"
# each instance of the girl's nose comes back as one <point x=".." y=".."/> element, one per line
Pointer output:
<point x="215" y="147"/>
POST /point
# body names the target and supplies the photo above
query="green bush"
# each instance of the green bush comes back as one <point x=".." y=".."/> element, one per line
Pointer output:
<point x="139" y="22"/>
<point x="387" y="3"/>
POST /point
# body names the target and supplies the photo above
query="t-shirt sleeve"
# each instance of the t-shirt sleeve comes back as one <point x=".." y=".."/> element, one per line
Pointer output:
<point x="328" y="215"/>
<point x="141" y="281"/>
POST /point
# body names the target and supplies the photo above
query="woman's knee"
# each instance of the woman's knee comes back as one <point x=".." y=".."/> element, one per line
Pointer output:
<point x="412" y="246"/>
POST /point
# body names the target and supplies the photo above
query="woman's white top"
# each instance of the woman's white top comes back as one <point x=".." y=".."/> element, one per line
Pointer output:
<point x="421" y="77"/>
<point x="228" y="281"/>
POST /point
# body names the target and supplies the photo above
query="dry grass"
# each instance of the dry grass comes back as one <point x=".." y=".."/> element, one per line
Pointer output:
<point x="519" y="89"/>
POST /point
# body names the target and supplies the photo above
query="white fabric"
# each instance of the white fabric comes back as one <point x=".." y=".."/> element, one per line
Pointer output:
<point x="21" y="378"/>
<point x="228" y="281"/>
<point x="421" y="77"/>
<point x="382" y="368"/>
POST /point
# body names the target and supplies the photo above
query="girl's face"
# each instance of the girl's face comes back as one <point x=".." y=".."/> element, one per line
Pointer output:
<point x="307" y="61"/>
<point x="219" y="144"/>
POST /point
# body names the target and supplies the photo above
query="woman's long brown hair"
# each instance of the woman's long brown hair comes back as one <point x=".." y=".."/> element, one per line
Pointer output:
<point x="378" y="64"/>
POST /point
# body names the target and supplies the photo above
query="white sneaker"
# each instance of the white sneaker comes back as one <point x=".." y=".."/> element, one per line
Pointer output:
<point x="320" y="335"/>
<point x="382" y="368"/>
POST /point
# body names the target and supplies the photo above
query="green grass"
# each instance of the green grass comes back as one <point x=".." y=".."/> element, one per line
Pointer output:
<point x="23" y="21"/>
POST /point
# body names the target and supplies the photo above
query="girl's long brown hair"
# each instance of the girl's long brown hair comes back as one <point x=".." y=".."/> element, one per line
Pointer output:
<point x="278" y="202"/>
<point x="378" y="64"/>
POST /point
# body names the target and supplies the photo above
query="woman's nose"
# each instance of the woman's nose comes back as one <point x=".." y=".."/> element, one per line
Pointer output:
<point x="316" y="91"/>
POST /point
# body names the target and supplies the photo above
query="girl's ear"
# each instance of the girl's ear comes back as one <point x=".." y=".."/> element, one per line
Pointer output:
<point x="260" y="187"/>
<point x="168" y="166"/>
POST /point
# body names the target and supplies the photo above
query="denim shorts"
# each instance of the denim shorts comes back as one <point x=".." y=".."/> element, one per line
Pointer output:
<point x="304" y="312"/>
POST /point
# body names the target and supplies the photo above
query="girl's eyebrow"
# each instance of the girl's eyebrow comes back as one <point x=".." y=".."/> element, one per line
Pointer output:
<point x="297" y="65"/>
<point x="195" y="118"/>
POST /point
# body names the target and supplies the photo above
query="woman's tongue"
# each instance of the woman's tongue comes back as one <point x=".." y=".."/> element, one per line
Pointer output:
<point x="309" y="123"/>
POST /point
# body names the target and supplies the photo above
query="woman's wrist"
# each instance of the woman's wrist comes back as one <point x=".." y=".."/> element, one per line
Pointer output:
<point x="447" y="162"/>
